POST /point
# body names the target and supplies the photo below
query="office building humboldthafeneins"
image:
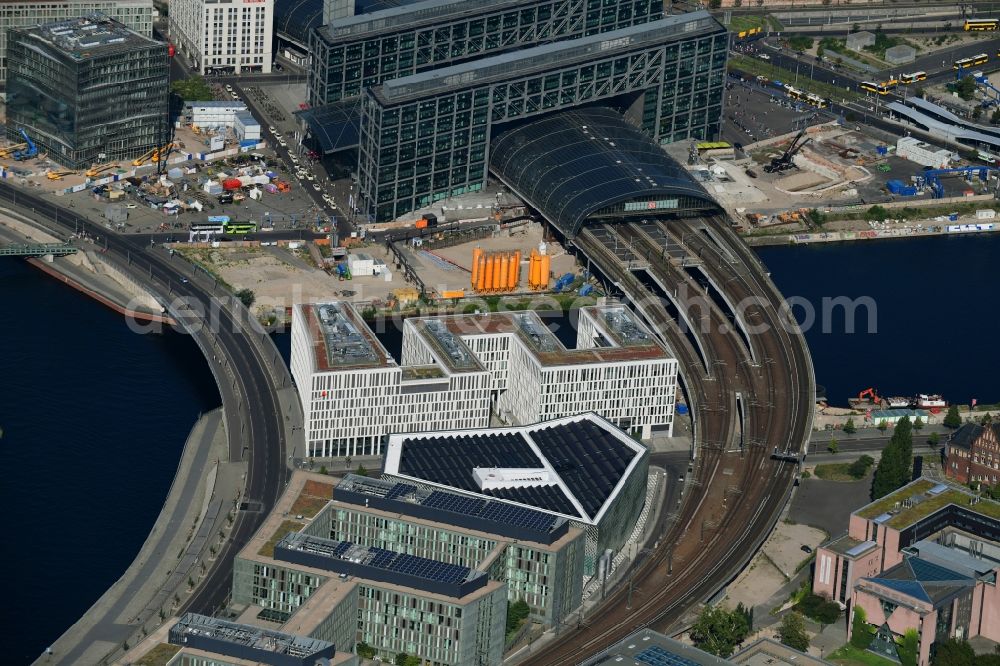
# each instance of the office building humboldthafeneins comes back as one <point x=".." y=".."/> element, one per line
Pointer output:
<point x="454" y="368"/>
<point x="87" y="90"/>
<point x="437" y="81"/>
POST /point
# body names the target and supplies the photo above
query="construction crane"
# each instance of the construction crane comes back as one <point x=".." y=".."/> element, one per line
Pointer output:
<point x="98" y="169"/>
<point x="142" y="159"/>
<point x="5" y="152"/>
<point x="784" y="162"/>
<point x="866" y="397"/>
<point x="162" y="153"/>
<point x="26" y="153"/>
<point x="57" y="175"/>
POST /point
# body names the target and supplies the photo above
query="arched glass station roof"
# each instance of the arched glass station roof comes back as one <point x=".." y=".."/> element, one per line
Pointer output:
<point x="585" y="162"/>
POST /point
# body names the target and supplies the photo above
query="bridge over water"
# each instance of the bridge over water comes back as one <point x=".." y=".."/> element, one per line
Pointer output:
<point x="37" y="249"/>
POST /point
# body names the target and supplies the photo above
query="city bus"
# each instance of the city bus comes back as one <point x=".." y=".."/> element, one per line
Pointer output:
<point x="980" y="59"/>
<point x="913" y="78"/>
<point x="207" y="227"/>
<point x="241" y="227"/>
<point x="871" y="86"/>
<point x="982" y="24"/>
<point x="816" y="100"/>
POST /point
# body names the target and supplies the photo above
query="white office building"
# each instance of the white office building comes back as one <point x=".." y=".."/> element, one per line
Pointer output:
<point x="224" y="36"/>
<point x="457" y="369"/>
<point x="135" y="15"/>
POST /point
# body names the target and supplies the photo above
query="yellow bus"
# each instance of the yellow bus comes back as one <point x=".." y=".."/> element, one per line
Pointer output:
<point x="980" y="59"/>
<point x="871" y="86"/>
<point x="982" y="24"/>
<point x="913" y="78"/>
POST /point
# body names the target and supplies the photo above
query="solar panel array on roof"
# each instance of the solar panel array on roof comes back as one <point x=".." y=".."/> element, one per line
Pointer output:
<point x="399" y="490"/>
<point x="657" y="656"/>
<point x="878" y="520"/>
<point x="495" y="511"/>
<point x="549" y="497"/>
<point x="929" y="572"/>
<point x="450" y="460"/>
<point x="589" y="459"/>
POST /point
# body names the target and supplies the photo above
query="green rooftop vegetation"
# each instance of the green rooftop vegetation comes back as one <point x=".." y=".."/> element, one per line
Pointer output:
<point x="287" y="527"/>
<point x="159" y="655"/>
<point x="929" y="505"/>
<point x="422" y="372"/>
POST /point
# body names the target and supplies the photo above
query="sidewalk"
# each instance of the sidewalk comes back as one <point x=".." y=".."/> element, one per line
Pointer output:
<point x="194" y="511"/>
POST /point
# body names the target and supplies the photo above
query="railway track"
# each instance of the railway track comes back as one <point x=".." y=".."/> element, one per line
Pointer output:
<point x="749" y="393"/>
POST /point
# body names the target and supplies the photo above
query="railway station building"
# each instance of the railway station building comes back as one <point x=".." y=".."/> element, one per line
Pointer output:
<point x="422" y="90"/>
<point x="579" y="468"/>
<point x="457" y="370"/>
<point x="926" y="558"/>
<point x="87" y="90"/>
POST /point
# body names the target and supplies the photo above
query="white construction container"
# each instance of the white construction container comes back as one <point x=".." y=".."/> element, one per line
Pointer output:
<point x="246" y="127"/>
<point x="361" y="265"/>
<point x="923" y="153"/>
<point x="986" y="214"/>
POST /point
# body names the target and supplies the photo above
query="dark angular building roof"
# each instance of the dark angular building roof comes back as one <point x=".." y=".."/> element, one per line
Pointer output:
<point x="583" y="459"/>
<point x="570" y="164"/>
<point x="966" y="436"/>
<point x="923" y="580"/>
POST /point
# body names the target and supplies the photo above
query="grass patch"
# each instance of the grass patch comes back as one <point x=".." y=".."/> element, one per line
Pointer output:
<point x="307" y="505"/>
<point x="914" y="213"/>
<point x="761" y="68"/>
<point x="267" y="550"/>
<point x="852" y="656"/>
<point x="741" y="23"/>
<point x="834" y="472"/>
<point x="159" y="655"/>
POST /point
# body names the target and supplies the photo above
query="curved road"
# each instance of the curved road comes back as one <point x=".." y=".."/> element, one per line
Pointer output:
<point x="256" y="429"/>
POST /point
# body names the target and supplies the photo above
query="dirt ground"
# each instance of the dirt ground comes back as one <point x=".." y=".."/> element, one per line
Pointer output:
<point x="774" y="565"/>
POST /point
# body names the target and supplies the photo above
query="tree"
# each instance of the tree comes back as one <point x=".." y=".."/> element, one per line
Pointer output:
<point x="876" y="213"/>
<point x="908" y="648"/>
<point x="517" y="613"/>
<point x="919" y="91"/>
<point x="966" y="88"/>
<point x="986" y="419"/>
<point x="883" y="425"/>
<point x="719" y="631"/>
<point x="192" y="89"/>
<point x="952" y="419"/>
<point x="859" y="468"/>
<point x="403" y="659"/>
<point x="977" y="113"/>
<point x="792" y="631"/>
<point x="888" y="472"/>
<point x="832" y="446"/>
<point x="849" y="427"/>
<point x="953" y="652"/>
<point x="903" y="436"/>
<point x="361" y="471"/>
<point x="861" y="634"/>
<point x="322" y="469"/>
<point x="365" y="651"/>
<point x="246" y="296"/>
<point x="819" y="608"/>
<point x="934" y="440"/>
<point x="918" y="424"/>
<point x="714" y="4"/>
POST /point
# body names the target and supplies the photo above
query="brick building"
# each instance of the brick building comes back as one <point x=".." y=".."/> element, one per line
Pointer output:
<point x="924" y="557"/>
<point x="974" y="454"/>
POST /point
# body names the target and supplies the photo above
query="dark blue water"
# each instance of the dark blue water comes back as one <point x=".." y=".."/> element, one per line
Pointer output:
<point x="937" y="319"/>
<point x="94" y="418"/>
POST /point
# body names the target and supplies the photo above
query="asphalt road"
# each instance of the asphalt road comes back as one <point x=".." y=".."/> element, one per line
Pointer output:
<point x="256" y="429"/>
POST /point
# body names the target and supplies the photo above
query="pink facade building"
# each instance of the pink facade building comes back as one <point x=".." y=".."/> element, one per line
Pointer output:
<point x="923" y="558"/>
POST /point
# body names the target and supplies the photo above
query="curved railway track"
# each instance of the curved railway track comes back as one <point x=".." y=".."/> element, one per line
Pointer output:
<point x="740" y="490"/>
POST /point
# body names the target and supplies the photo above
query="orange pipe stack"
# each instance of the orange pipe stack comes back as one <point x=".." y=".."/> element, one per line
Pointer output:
<point x="495" y="272"/>
<point x="477" y="254"/>
<point x="539" y="266"/>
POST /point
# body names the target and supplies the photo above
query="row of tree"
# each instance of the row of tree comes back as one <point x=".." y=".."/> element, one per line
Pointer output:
<point x="895" y="468"/>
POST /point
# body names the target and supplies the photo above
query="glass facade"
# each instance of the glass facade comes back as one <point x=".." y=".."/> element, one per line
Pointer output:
<point x="83" y="107"/>
<point x="348" y="57"/>
<point x="426" y="139"/>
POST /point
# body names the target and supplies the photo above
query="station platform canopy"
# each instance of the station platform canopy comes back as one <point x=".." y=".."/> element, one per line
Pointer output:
<point x="335" y="126"/>
<point x="589" y="163"/>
